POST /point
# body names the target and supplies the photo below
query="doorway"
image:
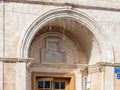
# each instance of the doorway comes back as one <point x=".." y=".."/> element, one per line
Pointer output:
<point x="53" y="82"/>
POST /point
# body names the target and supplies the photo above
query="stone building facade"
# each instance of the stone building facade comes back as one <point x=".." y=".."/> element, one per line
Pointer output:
<point x="59" y="44"/>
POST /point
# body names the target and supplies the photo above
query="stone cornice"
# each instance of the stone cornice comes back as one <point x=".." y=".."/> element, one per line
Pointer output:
<point x="69" y="4"/>
<point x="96" y="68"/>
<point x="108" y="64"/>
<point x="58" y="65"/>
<point x="14" y="60"/>
<point x="100" y="67"/>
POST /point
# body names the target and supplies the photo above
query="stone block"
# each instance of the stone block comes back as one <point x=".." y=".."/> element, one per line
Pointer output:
<point x="102" y="3"/>
<point x="93" y="3"/>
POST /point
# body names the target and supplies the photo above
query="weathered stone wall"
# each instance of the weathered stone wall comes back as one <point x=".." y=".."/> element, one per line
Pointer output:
<point x="19" y="16"/>
<point x="13" y="74"/>
<point x="110" y="23"/>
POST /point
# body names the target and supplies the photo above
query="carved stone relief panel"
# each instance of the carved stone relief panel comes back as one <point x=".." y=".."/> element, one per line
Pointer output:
<point x="52" y="52"/>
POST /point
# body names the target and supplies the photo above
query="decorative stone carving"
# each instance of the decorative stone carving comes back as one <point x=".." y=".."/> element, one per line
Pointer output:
<point x="53" y="46"/>
<point x="52" y="51"/>
<point x="99" y="67"/>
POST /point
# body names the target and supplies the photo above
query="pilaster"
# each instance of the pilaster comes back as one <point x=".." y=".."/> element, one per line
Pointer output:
<point x="13" y="73"/>
<point x="79" y="81"/>
<point x="102" y="74"/>
<point x="82" y="71"/>
<point x="21" y="75"/>
<point x="1" y="75"/>
<point x="97" y="73"/>
<point x="109" y="78"/>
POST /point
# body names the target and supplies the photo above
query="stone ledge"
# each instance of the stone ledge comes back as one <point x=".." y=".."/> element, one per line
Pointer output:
<point x="100" y="67"/>
<point x="108" y="64"/>
<point x="59" y="65"/>
<point x="14" y="60"/>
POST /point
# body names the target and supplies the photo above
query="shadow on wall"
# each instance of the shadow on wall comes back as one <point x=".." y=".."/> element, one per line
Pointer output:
<point x="80" y="36"/>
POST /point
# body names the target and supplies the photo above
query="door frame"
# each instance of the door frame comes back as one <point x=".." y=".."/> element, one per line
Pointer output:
<point x="70" y="76"/>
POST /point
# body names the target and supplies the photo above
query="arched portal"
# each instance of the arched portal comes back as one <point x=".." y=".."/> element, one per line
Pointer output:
<point x="78" y="16"/>
<point x="86" y="45"/>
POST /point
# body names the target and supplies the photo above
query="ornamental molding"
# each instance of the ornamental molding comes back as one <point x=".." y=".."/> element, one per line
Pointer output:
<point x="96" y="68"/>
<point x="110" y="64"/>
<point x="70" y="4"/>
<point x="100" y="66"/>
<point x="15" y="60"/>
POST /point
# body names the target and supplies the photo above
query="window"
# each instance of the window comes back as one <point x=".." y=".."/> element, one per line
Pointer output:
<point x="59" y="85"/>
<point x="44" y="84"/>
<point x="52" y="84"/>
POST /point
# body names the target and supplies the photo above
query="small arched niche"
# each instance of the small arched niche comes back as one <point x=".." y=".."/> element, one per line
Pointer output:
<point x="73" y="41"/>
